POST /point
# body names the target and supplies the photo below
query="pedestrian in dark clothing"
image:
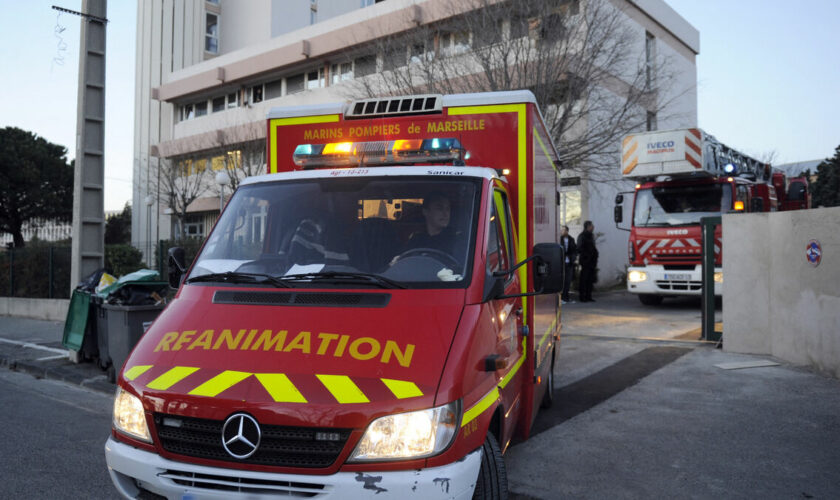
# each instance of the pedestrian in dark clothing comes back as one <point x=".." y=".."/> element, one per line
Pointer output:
<point x="588" y="257"/>
<point x="570" y="249"/>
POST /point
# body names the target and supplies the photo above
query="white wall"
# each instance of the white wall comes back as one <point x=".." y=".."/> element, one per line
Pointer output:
<point x="774" y="302"/>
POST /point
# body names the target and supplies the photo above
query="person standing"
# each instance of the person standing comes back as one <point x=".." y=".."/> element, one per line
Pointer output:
<point x="588" y="257"/>
<point x="570" y="251"/>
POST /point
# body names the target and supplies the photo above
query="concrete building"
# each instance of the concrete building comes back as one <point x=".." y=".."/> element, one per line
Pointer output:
<point x="209" y="71"/>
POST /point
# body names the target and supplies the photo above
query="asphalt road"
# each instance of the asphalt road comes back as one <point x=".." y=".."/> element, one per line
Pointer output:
<point x="53" y="439"/>
<point x="620" y="314"/>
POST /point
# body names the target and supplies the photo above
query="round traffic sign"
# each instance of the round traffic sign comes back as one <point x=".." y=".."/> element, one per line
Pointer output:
<point x="813" y="252"/>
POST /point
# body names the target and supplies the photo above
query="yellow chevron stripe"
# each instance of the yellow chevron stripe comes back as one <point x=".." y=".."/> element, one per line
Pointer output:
<point x="479" y="407"/>
<point x="402" y="389"/>
<point x="171" y="377"/>
<point x="135" y="371"/>
<point x="343" y="389"/>
<point x="631" y="166"/>
<point x="630" y="152"/>
<point x="219" y="383"/>
<point x="281" y="389"/>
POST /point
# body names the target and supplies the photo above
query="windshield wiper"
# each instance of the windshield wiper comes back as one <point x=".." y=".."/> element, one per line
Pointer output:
<point x="235" y="277"/>
<point x="344" y="277"/>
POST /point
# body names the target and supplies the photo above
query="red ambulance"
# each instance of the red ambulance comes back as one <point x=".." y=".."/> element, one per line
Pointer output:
<point x="377" y="316"/>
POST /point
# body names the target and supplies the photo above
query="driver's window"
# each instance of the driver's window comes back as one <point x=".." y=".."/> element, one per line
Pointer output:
<point x="497" y="246"/>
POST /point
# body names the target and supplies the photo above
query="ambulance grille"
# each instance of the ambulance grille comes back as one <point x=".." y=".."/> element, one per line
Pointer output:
<point x="246" y="485"/>
<point x="395" y="106"/>
<point x="302" y="299"/>
<point x="280" y="446"/>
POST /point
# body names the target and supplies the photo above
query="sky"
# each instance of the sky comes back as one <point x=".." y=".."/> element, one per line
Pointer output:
<point x="768" y="77"/>
<point x="39" y="61"/>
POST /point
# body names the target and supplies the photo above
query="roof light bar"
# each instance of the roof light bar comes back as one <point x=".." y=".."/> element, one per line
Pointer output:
<point x="378" y="153"/>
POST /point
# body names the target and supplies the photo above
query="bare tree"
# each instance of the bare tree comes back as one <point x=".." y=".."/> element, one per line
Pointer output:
<point x="592" y="77"/>
<point x="181" y="182"/>
<point x="242" y="148"/>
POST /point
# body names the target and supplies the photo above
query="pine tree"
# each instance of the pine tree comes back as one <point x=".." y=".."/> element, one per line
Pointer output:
<point x="826" y="189"/>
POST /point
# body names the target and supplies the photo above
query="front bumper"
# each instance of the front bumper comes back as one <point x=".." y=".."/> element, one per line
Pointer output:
<point x="132" y="469"/>
<point x="665" y="282"/>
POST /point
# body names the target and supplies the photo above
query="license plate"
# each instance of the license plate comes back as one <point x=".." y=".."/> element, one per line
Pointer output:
<point x="677" y="277"/>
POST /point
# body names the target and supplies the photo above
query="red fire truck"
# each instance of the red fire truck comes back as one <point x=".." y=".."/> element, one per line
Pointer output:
<point x="684" y="175"/>
<point x="376" y="317"/>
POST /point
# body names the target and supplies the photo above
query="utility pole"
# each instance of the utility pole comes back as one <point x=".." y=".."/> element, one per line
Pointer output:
<point x="88" y="246"/>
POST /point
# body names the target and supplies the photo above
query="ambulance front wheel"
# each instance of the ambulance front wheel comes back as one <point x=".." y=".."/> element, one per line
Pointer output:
<point x="649" y="299"/>
<point x="492" y="477"/>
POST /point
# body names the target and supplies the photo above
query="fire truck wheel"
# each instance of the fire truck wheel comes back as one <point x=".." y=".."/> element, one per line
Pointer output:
<point x="492" y="477"/>
<point x="650" y="299"/>
<point x="548" y="397"/>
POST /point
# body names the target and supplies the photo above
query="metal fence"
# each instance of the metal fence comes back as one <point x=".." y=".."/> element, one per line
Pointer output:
<point x="35" y="271"/>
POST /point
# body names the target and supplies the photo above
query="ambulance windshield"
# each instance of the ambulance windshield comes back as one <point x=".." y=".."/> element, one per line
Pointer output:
<point x="680" y="205"/>
<point x="414" y="232"/>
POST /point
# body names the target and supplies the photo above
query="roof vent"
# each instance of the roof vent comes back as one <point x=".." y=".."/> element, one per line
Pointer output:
<point x="395" y="106"/>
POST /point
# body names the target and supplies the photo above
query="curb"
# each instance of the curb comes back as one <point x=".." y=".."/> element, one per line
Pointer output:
<point x="63" y="371"/>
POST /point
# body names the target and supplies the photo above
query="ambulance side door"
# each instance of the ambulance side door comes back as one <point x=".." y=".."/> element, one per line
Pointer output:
<point x="507" y="312"/>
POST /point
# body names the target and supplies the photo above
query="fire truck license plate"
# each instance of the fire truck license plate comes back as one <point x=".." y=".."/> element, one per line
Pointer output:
<point x="678" y="277"/>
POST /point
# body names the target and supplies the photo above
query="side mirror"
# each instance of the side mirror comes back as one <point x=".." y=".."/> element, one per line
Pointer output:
<point x="619" y="199"/>
<point x="549" y="268"/>
<point x="618" y="214"/>
<point x="176" y="266"/>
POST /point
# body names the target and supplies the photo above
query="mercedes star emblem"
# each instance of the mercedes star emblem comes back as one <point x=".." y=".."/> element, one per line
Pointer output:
<point x="241" y="435"/>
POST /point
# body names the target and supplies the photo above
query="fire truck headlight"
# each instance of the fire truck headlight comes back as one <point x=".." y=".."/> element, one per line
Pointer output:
<point x="129" y="417"/>
<point x="719" y="277"/>
<point x="415" y="434"/>
<point x="636" y="276"/>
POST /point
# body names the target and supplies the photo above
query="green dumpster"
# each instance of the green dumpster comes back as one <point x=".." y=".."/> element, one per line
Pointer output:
<point x="79" y="330"/>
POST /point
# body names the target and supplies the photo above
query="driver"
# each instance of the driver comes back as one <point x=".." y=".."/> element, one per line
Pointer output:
<point x="438" y="234"/>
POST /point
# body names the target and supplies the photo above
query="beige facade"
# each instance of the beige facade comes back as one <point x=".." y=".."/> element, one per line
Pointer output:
<point x="209" y="71"/>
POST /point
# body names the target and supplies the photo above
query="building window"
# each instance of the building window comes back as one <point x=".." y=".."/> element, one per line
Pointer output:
<point x="194" y="226"/>
<point x="570" y="203"/>
<point x="315" y="79"/>
<point x="651" y="121"/>
<point x="211" y="33"/>
<point x="187" y="112"/>
<point x="200" y="108"/>
<point x="274" y="89"/>
<point x="341" y="72"/>
<point x="219" y="104"/>
<point x="256" y="93"/>
<point x="365" y="66"/>
<point x="295" y="84"/>
<point x="650" y="55"/>
<point x="232" y="100"/>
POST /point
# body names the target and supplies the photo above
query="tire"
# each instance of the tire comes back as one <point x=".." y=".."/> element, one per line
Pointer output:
<point x="548" y="397"/>
<point x="492" y="477"/>
<point x="650" y="299"/>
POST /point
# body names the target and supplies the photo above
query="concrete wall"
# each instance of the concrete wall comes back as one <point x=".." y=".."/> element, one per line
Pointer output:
<point x="46" y="309"/>
<point x="775" y="302"/>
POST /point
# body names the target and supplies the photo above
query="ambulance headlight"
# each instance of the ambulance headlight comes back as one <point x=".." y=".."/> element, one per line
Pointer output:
<point x="719" y="277"/>
<point x="416" y="434"/>
<point x="636" y="276"/>
<point x="129" y="417"/>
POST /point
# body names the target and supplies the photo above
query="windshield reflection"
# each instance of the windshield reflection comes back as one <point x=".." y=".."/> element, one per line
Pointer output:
<point x="414" y="231"/>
